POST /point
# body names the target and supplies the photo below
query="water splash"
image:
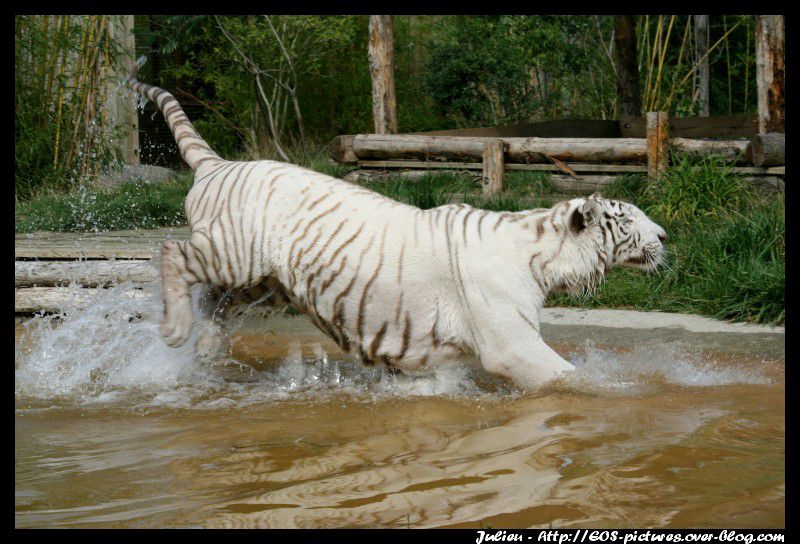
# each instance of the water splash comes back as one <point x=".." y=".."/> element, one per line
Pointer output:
<point x="650" y="369"/>
<point x="109" y="352"/>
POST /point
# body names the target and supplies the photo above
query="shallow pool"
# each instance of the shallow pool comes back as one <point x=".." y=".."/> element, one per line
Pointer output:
<point x="659" y="428"/>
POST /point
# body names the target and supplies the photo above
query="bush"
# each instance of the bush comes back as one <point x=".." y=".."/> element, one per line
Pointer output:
<point x="692" y="189"/>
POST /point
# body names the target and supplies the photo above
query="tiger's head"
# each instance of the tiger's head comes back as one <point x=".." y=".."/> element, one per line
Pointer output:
<point x="624" y="232"/>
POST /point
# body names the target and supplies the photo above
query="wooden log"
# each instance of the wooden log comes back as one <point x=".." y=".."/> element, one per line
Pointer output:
<point x="519" y="150"/>
<point x="493" y="167"/>
<point x="85" y="273"/>
<point x="30" y="300"/>
<point x="381" y="68"/>
<point x="768" y="149"/>
<point x="730" y="151"/>
<point x="657" y="141"/>
<point x="770" y="37"/>
<point x="342" y="150"/>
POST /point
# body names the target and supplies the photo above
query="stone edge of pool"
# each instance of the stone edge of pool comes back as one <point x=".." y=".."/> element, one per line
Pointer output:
<point x="625" y="319"/>
<point x="634" y="319"/>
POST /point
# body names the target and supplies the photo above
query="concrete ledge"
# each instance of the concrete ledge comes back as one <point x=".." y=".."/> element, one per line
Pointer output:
<point x="631" y="319"/>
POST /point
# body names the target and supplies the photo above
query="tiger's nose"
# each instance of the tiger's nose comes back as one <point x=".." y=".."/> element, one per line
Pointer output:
<point x="662" y="236"/>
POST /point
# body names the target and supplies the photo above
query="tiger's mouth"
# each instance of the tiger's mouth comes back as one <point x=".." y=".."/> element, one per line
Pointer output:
<point x="641" y="259"/>
<point x="645" y="261"/>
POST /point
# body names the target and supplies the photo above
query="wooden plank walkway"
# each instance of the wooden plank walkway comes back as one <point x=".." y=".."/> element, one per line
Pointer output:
<point x="123" y="244"/>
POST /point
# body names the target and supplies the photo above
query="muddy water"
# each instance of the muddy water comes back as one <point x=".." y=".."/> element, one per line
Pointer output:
<point x="112" y="429"/>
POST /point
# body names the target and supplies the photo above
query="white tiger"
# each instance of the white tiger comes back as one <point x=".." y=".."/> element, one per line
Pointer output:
<point x="389" y="282"/>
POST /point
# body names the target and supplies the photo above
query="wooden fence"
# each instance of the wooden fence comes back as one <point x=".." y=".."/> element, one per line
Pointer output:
<point x="583" y="156"/>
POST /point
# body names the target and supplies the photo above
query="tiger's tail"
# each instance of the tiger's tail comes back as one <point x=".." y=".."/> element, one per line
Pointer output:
<point x="193" y="148"/>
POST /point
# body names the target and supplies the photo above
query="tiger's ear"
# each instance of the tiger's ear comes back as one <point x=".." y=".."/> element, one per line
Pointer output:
<point x="585" y="215"/>
<point x="596" y="195"/>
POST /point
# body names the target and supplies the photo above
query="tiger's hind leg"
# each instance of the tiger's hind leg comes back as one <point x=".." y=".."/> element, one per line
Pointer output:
<point x="176" y="279"/>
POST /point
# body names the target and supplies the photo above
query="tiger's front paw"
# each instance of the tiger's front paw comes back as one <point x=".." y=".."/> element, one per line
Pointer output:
<point x="175" y="327"/>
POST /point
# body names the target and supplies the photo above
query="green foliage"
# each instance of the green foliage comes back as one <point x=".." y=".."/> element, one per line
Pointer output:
<point x="492" y="70"/>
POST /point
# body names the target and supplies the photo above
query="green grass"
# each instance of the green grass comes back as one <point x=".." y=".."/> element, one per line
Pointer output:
<point x="726" y="247"/>
<point x="128" y="206"/>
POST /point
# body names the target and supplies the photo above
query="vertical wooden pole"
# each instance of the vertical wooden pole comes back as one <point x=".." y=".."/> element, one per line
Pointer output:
<point x="121" y="102"/>
<point x="657" y="140"/>
<point x="493" y="167"/>
<point x="381" y="67"/>
<point x="770" y="73"/>
<point x="701" y="41"/>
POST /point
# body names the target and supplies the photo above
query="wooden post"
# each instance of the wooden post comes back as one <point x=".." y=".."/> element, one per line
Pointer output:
<point x="493" y="167"/>
<point x="381" y="67"/>
<point x="770" y="72"/>
<point x="657" y="141"/>
<point x="701" y="41"/>
<point x="629" y="99"/>
<point x="120" y="100"/>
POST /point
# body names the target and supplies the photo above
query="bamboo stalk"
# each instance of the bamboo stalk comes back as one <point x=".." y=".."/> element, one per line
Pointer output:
<point x="728" y="60"/>
<point x="666" y="105"/>
<point x="651" y="58"/>
<point x="78" y="89"/>
<point x="657" y="86"/>
<point x="746" y="65"/>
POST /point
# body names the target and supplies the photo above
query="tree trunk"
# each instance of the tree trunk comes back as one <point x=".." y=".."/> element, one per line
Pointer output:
<point x="381" y="67"/>
<point x="770" y="72"/>
<point x="629" y="99"/>
<point x="701" y="50"/>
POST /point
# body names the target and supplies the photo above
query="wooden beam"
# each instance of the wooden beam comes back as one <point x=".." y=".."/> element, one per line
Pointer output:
<point x="493" y="167"/>
<point x="30" y="300"/>
<point x="657" y="141"/>
<point x="719" y="126"/>
<point x="577" y="167"/>
<point x="449" y="165"/>
<point x="85" y="273"/>
<point x="126" y="244"/>
<point x="770" y="72"/>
